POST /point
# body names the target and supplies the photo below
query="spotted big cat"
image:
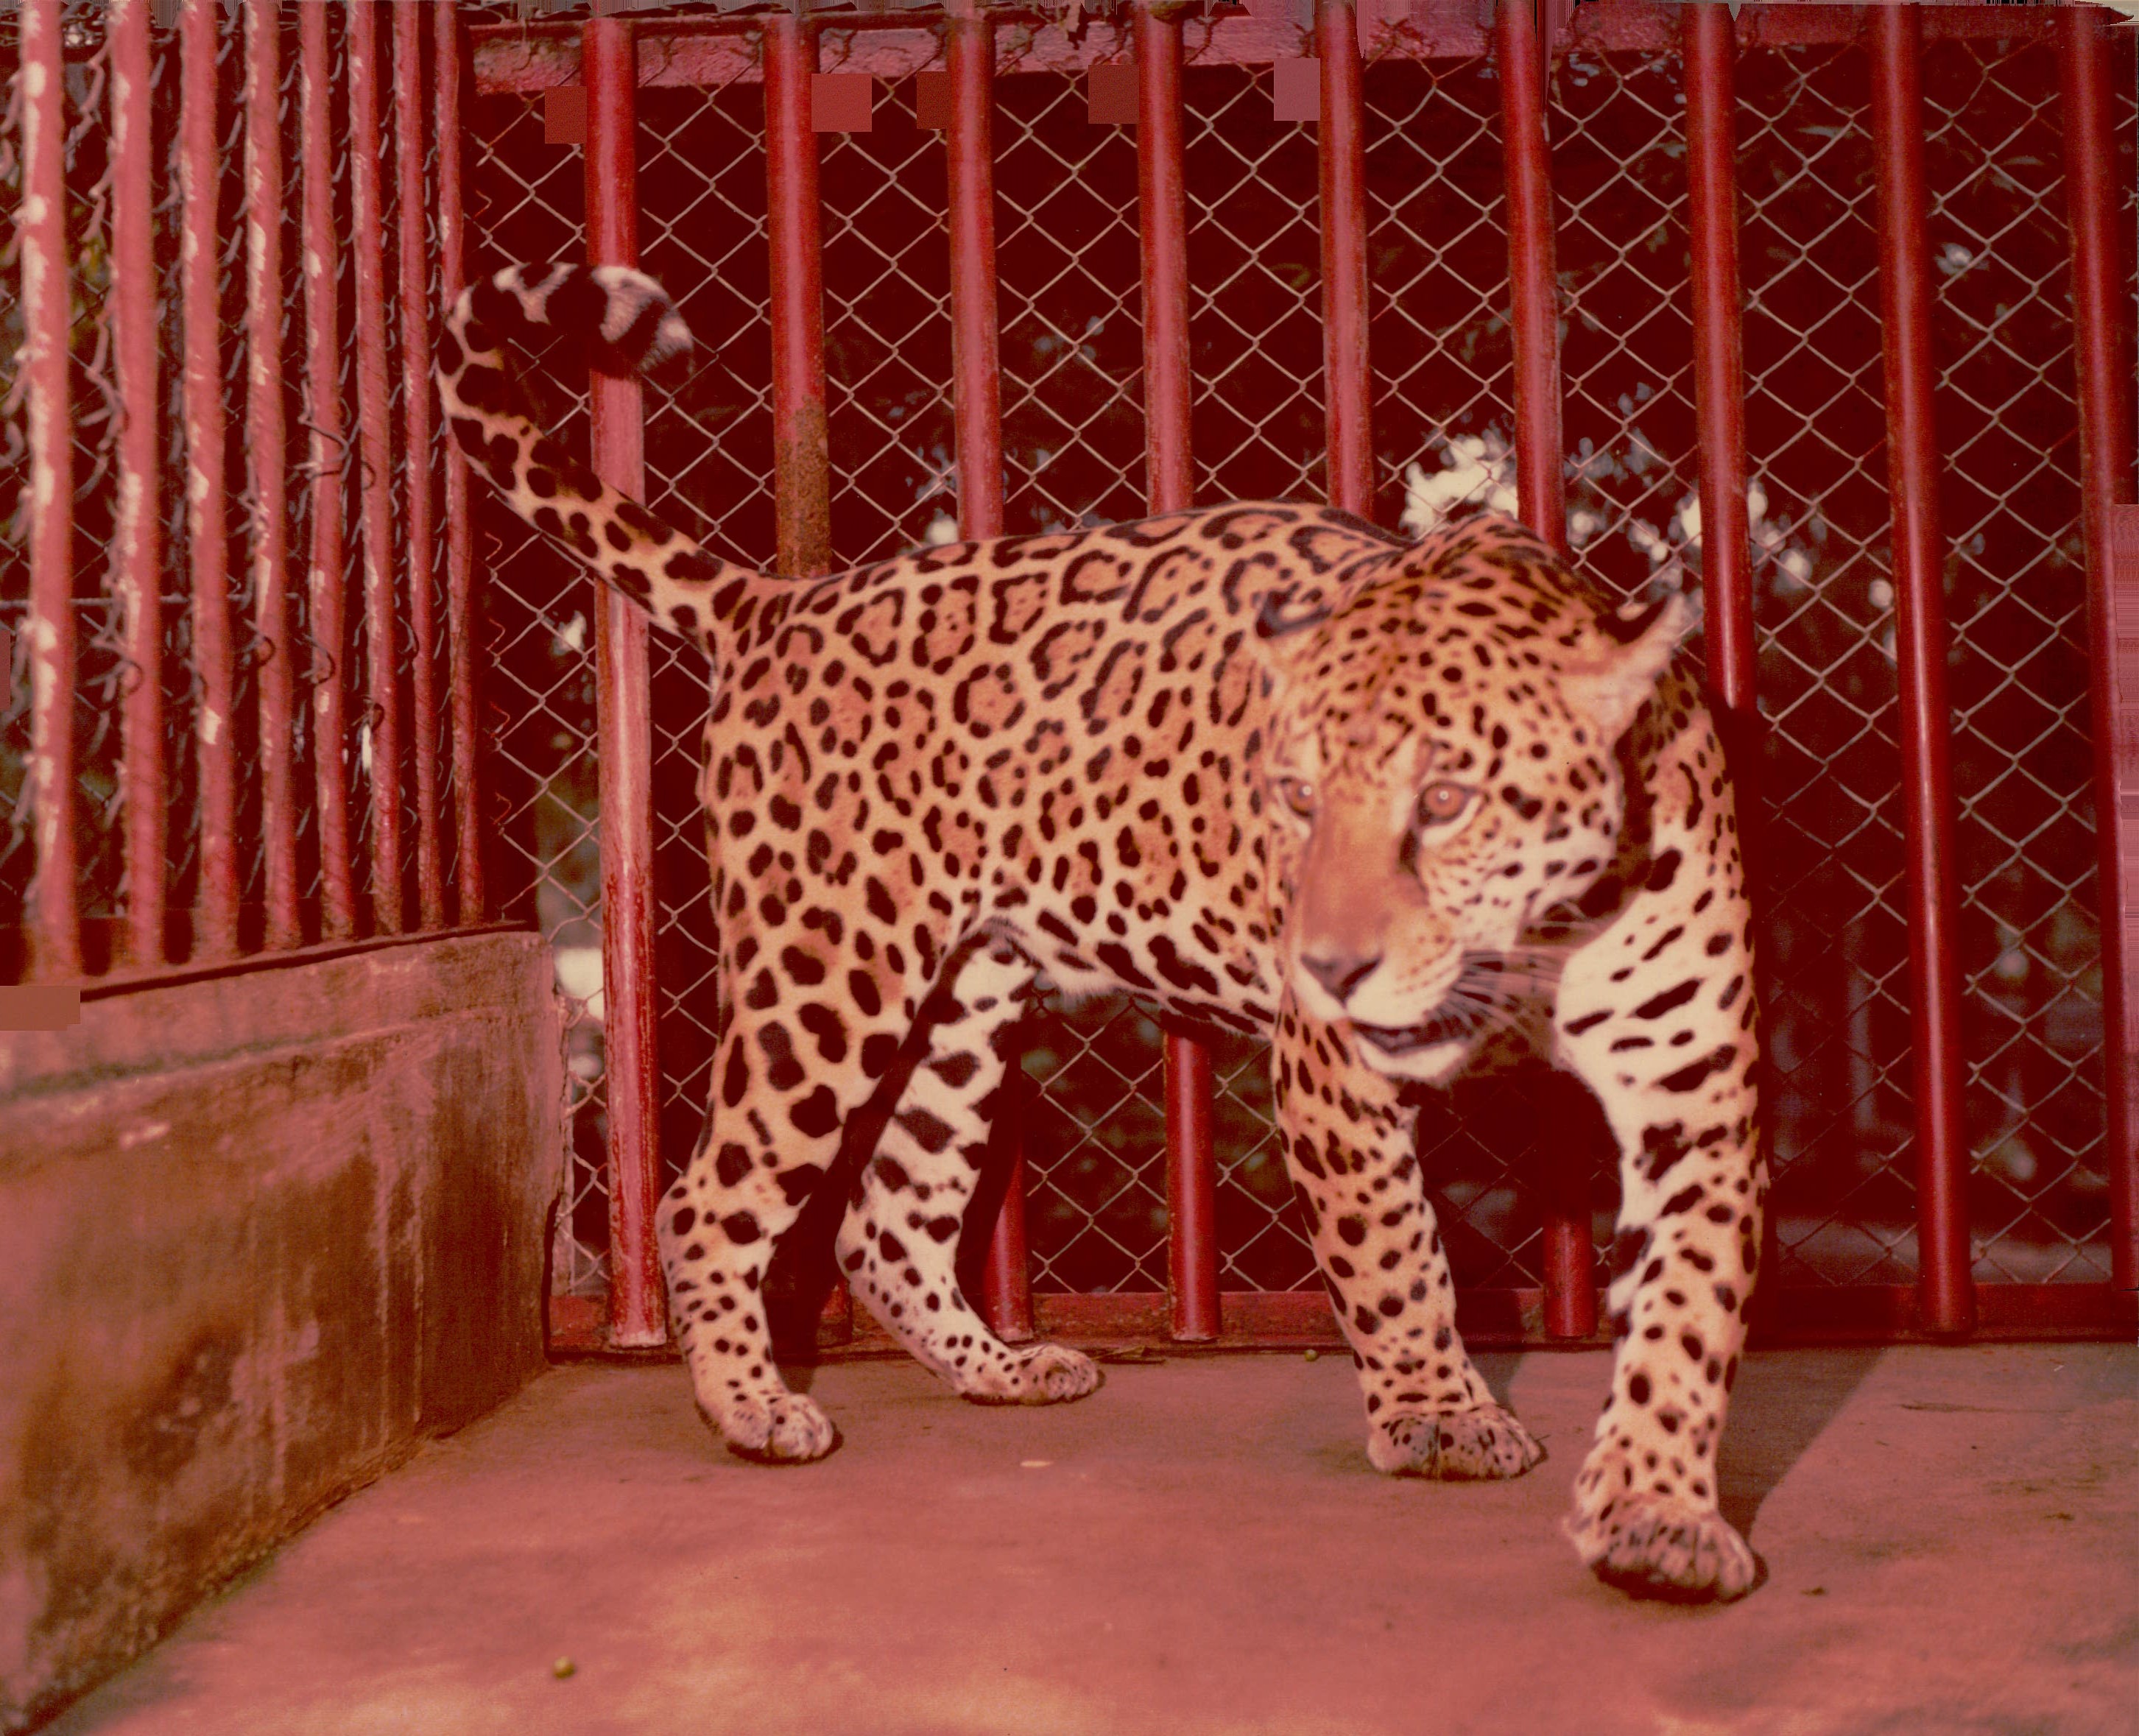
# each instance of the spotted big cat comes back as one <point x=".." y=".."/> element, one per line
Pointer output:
<point x="1379" y="801"/>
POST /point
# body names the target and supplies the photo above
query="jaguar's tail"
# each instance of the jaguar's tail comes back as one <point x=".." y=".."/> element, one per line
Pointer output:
<point x="626" y="322"/>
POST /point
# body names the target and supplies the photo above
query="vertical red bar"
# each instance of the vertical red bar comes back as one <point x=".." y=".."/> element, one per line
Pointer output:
<point x="1719" y="382"/>
<point x="1163" y="203"/>
<point x="1945" y="1291"/>
<point x="608" y="57"/>
<point x="1532" y="297"/>
<point x="969" y="141"/>
<point x="448" y="71"/>
<point x="801" y="460"/>
<point x="1192" y="1195"/>
<point x="208" y="541"/>
<point x="801" y="466"/>
<point x="327" y="582"/>
<point x="1346" y="382"/>
<point x="1006" y="1279"/>
<point x="367" y="148"/>
<point x="412" y="257"/>
<point x="1570" y="1291"/>
<point x="970" y="57"/>
<point x="137" y="542"/>
<point x="1190" y="1167"/>
<point x="267" y="463"/>
<point x="55" y="934"/>
<point x="1719" y="393"/>
<point x="2101" y="342"/>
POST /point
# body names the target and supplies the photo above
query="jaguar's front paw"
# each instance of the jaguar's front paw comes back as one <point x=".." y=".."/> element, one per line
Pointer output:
<point x="779" y="1428"/>
<point x="1453" y="1445"/>
<point x="1650" y="1545"/>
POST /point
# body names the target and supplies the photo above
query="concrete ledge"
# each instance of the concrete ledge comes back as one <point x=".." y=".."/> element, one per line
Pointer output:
<point x="260" y="1232"/>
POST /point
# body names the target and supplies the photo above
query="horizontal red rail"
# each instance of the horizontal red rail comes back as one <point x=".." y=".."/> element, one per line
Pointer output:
<point x="1301" y="1320"/>
<point x="704" y="52"/>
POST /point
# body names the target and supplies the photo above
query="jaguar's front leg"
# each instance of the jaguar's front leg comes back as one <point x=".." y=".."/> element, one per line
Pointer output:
<point x="1348" y="1147"/>
<point x="1657" y="1018"/>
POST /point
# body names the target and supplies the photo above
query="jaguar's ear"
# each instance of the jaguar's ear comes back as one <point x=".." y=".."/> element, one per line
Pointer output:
<point x="1282" y="613"/>
<point x="1285" y="620"/>
<point x="1610" y="685"/>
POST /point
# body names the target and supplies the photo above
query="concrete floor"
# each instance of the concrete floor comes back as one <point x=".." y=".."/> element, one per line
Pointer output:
<point x="1952" y="1537"/>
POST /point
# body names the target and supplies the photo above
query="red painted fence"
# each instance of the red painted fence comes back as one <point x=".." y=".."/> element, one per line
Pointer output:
<point x="286" y="763"/>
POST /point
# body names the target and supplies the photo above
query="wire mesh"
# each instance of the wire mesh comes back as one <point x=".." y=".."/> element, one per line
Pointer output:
<point x="1837" y="940"/>
<point x="1833" y="938"/>
<point x="2022" y="749"/>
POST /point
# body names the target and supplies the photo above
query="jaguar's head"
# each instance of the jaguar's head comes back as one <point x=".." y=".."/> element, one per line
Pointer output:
<point x="1442" y="769"/>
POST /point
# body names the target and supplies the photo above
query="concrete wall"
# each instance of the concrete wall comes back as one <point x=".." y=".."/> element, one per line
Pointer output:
<point x="260" y="1233"/>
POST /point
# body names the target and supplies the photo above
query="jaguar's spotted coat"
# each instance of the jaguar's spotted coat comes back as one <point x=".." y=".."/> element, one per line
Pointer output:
<point x="1268" y="767"/>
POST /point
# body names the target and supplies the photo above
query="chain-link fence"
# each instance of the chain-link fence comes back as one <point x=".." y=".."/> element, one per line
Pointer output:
<point x="1835" y="947"/>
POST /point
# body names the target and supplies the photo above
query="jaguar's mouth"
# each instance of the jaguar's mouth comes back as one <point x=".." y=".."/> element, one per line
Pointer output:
<point x="1442" y="1027"/>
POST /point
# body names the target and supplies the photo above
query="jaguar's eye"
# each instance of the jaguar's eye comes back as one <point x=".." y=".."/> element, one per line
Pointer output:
<point x="1297" y="793"/>
<point x="1441" y="803"/>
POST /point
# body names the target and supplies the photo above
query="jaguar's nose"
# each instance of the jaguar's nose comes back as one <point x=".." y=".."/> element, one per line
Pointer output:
<point x="1341" y="972"/>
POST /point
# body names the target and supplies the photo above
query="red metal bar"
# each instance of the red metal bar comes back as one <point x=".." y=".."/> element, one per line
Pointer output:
<point x="801" y="459"/>
<point x="1919" y="633"/>
<point x="137" y="542"/>
<point x="1347" y="404"/>
<point x="55" y="928"/>
<point x="969" y="50"/>
<point x="801" y="464"/>
<point x="1168" y="388"/>
<point x="1570" y="1293"/>
<point x="1533" y="300"/>
<point x="374" y="452"/>
<point x="2101" y="341"/>
<point x="208" y="543"/>
<point x="1191" y="1194"/>
<point x="327" y="580"/>
<point x="412" y="257"/>
<point x="266" y="463"/>
<point x="1719" y="382"/>
<point x="969" y="143"/>
<point x="2118" y="600"/>
<point x="1719" y="392"/>
<point x="1006" y="1279"/>
<point x="624" y="706"/>
<point x="448" y="69"/>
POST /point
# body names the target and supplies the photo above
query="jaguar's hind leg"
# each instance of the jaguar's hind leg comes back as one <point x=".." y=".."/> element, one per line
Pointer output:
<point x="898" y="1244"/>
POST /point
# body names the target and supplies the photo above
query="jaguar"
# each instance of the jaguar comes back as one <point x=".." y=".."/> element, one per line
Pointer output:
<point x="1399" y="807"/>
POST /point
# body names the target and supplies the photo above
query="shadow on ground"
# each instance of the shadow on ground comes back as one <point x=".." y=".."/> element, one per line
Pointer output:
<point x="1779" y="1407"/>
